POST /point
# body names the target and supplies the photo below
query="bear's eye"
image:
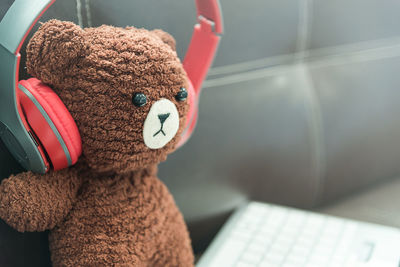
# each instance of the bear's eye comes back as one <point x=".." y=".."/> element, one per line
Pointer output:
<point x="139" y="99"/>
<point x="182" y="95"/>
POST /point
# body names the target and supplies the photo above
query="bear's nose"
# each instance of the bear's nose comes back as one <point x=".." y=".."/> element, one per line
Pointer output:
<point x="163" y="117"/>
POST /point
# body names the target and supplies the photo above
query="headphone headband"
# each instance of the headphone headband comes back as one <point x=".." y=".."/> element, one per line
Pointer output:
<point x="211" y="10"/>
<point x="13" y="41"/>
<point x="208" y="12"/>
<point x="201" y="52"/>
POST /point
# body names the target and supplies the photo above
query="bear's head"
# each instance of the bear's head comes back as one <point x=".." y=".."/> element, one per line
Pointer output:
<point x="124" y="87"/>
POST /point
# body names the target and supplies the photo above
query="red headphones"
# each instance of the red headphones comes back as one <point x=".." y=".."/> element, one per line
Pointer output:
<point x="36" y="126"/>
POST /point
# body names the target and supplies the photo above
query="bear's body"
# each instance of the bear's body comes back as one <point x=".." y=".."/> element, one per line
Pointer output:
<point x="123" y="220"/>
<point x="110" y="209"/>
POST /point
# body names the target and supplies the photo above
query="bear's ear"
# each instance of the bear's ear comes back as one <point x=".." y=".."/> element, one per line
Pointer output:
<point x="165" y="37"/>
<point x="54" y="50"/>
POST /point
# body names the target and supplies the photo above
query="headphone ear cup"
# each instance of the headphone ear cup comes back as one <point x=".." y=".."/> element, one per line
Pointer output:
<point x="191" y="117"/>
<point x="193" y="103"/>
<point x="51" y="123"/>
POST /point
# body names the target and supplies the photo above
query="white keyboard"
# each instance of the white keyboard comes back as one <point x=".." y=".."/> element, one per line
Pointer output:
<point x="269" y="235"/>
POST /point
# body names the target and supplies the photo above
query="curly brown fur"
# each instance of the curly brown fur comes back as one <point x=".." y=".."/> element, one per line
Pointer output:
<point x="110" y="209"/>
<point x="34" y="202"/>
<point x="122" y="220"/>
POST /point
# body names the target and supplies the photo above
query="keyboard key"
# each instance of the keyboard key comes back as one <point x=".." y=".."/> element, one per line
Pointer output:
<point x="304" y="241"/>
<point x="262" y="242"/>
<point x="334" y="227"/>
<point x="299" y="251"/>
<point x="296" y="218"/>
<point x="257" y="247"/>
<point x="313" y="265"/>
<point x="337" y="262"/>
<point x="242" y="235"/>
<point x="288" y="264"/>
<point x="231" y="248"/>
<point x="276" y="248"/>
<point x="320" y="260"/>
<point x="327" y="241"/>
<point x="345" y="240"/>
<point x="297" y="261"/>
<point x="267" y="263"/>
<point x="314" y="222"/>
<point x="275" y="256"/>
<point x="283" y="242"/>
<point x="257" y="208"/>
<point x="244" y="264"/>
<point x="251" y="257"/>
<point x="323" y="251"/>
<point x="277" y="216"/>
<point x="267" y="229"/>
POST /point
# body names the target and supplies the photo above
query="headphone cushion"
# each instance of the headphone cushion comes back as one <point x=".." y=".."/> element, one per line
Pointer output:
<point x="193" y="102"/>
<point x="191" y="117"/>
<point x="58" y="114"/>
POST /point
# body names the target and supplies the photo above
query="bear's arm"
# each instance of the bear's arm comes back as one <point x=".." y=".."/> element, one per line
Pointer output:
<point x="37" y="202"/>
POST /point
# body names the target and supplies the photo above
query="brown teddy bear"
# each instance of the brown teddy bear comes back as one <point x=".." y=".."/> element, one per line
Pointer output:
<point x="125" y="88"/>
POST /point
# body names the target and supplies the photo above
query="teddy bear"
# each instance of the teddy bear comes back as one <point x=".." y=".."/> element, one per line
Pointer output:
<point x="126" y="90"/>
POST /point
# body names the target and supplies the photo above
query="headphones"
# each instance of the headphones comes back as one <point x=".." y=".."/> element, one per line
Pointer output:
<point x="36" y="126"/>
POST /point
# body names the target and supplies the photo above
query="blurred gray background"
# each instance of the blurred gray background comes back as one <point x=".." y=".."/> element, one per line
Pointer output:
<point x="301" y="108"/>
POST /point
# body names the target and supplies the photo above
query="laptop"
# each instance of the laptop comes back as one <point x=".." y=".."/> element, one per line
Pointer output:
<point x="259" y="234"/>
